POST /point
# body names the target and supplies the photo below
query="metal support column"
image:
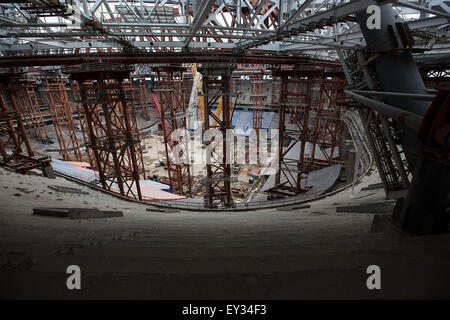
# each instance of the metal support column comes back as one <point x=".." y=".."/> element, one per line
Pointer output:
<point x="112" y="127"/>
<point x="174" y="120"/>
<point x="216" y="86"/>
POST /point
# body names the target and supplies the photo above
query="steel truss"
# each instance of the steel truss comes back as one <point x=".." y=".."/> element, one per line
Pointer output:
<point x="62" y="116"/>
<point x="15" y="148"/>
<point x="170" y="88"/>
<point x="311" y="26"/>
<point x="110" y="118"/>
<point x="137" y="87"/>
<point x="310" y="97"/>
<point x="82" y="124"/>
<point x="435" y="78"/>
<point x="382" y="132"/>
<point x="29" y="105"/>
<point x="216" y="86"/>
<point x="143" y="99"/>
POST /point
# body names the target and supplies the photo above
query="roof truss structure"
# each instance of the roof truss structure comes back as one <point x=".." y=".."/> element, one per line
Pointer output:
<point x="314" y="27"/>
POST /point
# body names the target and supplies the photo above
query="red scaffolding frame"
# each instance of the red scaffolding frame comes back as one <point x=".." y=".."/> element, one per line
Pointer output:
<point x="309" y="95"/>
<point x="172" y="109"/>
<point x="29" y="106"/>
<point x="110" y="118"/>
<point x="62" y="117"/>
<point x="217" y="85"/>
<point x="15" y="148"/>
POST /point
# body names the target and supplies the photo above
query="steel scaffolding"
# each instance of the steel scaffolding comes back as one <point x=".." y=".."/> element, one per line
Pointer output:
<point x="110" y="118"/>
<point x="383" y="133"/>
<point x="173" y="117"/>
<point x="309" y="96"/>
<point x="258" y="97"/>
<point x="216" y="86"/>
<point x="15" y="148"/>
<point x="29" y="106"/>
<point x="62" y="116"/>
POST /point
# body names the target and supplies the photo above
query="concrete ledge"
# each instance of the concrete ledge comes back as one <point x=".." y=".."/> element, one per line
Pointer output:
<point x="163" y="210"/>
<point x="373" y="186"/>
<point x="290" y="208"/>
<point x="67" y="190"/>
<point x="76" y="213"/>
<point x="371" y="207"/>
<point x="156" y="209"/>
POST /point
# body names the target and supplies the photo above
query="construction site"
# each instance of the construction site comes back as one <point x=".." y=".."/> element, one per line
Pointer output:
<point x="225" y="149"/>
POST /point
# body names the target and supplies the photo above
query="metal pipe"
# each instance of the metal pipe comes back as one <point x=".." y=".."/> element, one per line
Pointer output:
<point x="407" y="118"/>
<point x="426" y="97"/>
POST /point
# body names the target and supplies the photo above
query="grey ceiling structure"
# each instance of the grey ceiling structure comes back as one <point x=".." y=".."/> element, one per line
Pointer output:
<point x="317" y="27"/>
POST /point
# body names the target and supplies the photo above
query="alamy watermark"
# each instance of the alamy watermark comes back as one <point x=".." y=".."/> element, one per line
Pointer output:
<point x="74" y="280"/>
<point x="214" y="147"/>
<point x="374" y="20"/>
<point x="374" y="280"/>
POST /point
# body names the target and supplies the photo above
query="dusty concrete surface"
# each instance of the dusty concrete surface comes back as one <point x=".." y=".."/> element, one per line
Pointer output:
<point x="307" y="253"/>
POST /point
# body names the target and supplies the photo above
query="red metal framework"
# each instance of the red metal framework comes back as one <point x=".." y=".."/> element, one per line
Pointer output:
<point x="257" y="96"/>
<point x="173" y="116"/>
<point x="216" y="85"/>
<point x="29" y="106"/>
<point x="62" y="116"/>
<point x="143" y="98"/>
<point x="328" y="125"/>
<point x="82" y="124"/>
<point x="15" y="148"/>
<point x="137" y="90"/>
<point x="309" y="97"/>
<point x="113" y="134"/>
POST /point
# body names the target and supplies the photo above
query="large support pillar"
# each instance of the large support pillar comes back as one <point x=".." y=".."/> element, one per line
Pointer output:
<point x="426" y="208"/>
<point x="395" y="69"/>
<point x="29" y="107"/>
<point x="143" y="98"/>
<point x="112" y="127"/>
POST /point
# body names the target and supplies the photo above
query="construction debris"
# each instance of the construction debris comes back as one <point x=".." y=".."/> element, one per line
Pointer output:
<point x="163" y="210"/>
<point x="372" y="207"/>
<point x="373" y="186"/>
<point x="294" y="207"/>
<point x="67" y="190"/>
<point x="76" y="213"/>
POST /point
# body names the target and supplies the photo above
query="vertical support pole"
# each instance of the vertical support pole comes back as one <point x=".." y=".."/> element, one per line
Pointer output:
<point x="396" y="70"/>
<point x="216" y="85"/>
<point x="281" y="127"/>
<point x="226" y="108"/>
